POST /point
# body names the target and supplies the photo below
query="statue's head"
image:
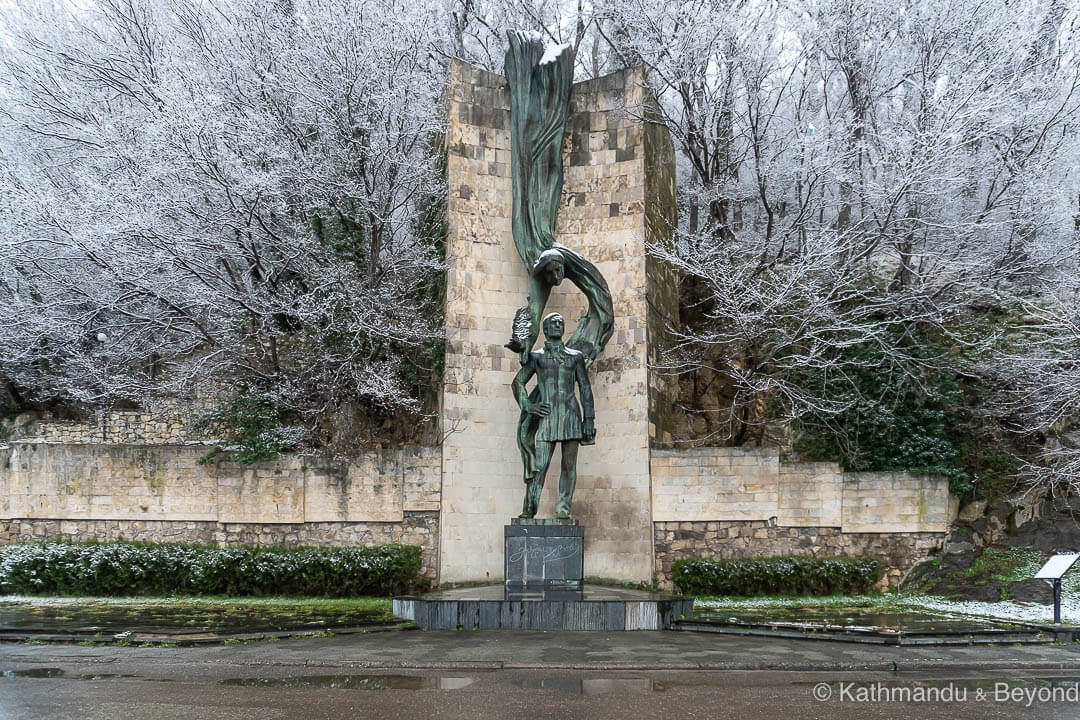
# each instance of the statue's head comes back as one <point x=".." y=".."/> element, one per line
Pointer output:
<point x="551" y="267"/>
<point x="553" y="326"/>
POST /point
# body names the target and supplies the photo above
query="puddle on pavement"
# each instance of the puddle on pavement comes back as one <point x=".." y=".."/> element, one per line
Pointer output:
<point x="604" y="686"/>
<point x="591" y="686"/>
<point x="849" y="619"/>
<point x="33" y="673"/>
<point x="58" y="673"/>
<point x="356" y="682"/>
<point x="230" y="618"/>
<point x="568" y="685"/>
<point x="967" y="684"/>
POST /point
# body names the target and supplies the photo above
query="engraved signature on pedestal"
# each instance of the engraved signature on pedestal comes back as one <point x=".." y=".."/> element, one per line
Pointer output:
<point x="545" y="553"/>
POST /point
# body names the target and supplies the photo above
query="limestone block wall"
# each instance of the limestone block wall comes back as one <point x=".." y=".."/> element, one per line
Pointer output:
<point x="160" y="492"/>
<point x="810" y="495"/>
<point x="114" y="426"/>
<point x="485" y="286"/>
<point x="163" y="422"/>
<point x="883" y="502"/>
<point x="710" y="502"/>
<point x="607" y="193"/>
<point x="371" y="486"/>
<point x="715" y="483"/>
<point x="703" y="484"/>
<point x="109" y="482"/>
<point x="725" y="503"/>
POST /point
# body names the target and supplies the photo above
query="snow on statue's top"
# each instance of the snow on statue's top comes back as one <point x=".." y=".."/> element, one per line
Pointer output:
<point x="552" y="52"/>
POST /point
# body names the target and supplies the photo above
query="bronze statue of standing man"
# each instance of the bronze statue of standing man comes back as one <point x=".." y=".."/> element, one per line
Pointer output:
<point x="560" y="373"/>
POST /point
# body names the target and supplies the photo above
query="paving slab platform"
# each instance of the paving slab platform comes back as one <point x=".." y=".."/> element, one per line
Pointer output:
<point x="595" y="651"/>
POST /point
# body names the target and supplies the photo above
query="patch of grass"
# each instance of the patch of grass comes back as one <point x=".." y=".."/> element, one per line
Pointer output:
<point x="994" y="567"/>
<point x="1004" y="565"/>
<point x="222" y="601"/>
<point x="209" y="614"/>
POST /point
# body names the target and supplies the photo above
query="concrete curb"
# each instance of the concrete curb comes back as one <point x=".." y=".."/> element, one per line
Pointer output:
<point x="190" y="640"/>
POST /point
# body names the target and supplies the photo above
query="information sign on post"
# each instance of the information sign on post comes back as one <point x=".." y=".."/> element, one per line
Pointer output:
<point x="1055" y="569"/>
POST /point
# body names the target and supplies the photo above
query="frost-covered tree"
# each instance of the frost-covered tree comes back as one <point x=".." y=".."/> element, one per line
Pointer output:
<point x="877" y="241"/>
<point x="231" y="195"/>
<point x="1036" y="376"/>
<point x="869" y="187"/>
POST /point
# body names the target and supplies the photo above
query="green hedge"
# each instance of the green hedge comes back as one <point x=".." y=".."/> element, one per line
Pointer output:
<point x="777" y="576"/>
<point x="110" y="569"/>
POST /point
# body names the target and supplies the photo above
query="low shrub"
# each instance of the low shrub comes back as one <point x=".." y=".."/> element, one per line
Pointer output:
<point x="777" y="576"/>
<point x="110" y="569"/>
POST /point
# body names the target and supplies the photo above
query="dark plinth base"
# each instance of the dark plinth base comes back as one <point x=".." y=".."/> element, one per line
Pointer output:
<point x="543" y="553"/>
<point x="496" y="607"/>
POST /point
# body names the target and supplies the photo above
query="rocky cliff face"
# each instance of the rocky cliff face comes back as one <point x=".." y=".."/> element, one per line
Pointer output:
<point x="993" y="551"/>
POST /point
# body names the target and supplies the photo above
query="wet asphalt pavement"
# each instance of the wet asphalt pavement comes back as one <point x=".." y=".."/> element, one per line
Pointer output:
<point x="475" y="674"/>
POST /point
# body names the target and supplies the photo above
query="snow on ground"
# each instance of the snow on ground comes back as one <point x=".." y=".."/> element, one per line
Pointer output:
<point x="1005" y="610"/>
<point x="828" y="601"/>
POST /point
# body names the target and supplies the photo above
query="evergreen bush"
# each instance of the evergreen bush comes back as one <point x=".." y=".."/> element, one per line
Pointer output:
<point x="899" y="416"/>
<point x="777" y="576"/>
<point x="123" y="568"/>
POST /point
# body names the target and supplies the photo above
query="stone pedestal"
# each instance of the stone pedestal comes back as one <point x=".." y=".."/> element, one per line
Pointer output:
<point x="543" y="553"/>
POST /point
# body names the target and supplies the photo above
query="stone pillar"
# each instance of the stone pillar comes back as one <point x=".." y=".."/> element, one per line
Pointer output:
<point x="618" y="194"/>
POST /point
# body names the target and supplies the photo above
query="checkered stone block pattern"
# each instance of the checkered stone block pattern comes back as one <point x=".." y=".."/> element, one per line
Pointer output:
<point x="617" y="169"/>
